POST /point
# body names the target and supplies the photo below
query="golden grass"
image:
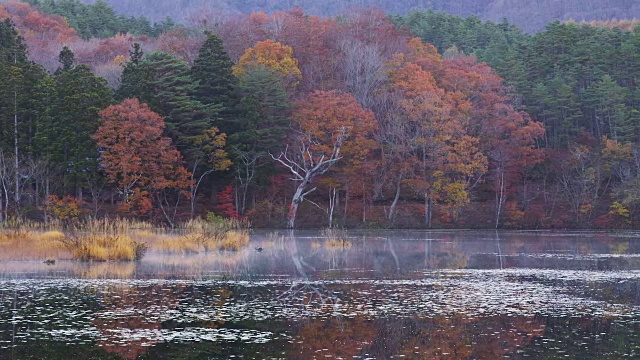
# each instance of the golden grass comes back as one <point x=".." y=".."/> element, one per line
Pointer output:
<point x="119" y="239"/>
<point x="104" y="247"/>
<point x="20" y="244"/>
<point x="196" y="242"/>
<point x="52" y="235"/>
<point x="211" y="234"/>
<point x="144" y="234"/>
<point x="234" y="241"/>
<point x="185" y="244"/>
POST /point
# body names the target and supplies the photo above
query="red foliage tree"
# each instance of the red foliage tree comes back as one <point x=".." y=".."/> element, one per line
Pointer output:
<point x="226" y="203"/>
<point x="136" y="158"/>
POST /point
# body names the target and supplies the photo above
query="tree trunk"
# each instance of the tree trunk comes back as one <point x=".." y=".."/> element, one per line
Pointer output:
<point x="427" y="210"/>
<point x="15" y="143"/>
<point x="394" y="204"/>
<point x="332" y="204"/>
<point x="500" y="199"/>
<point x="295" y="202"/>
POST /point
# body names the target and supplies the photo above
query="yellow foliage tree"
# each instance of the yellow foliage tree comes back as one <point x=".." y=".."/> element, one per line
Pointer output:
<point x="270" y="55"/>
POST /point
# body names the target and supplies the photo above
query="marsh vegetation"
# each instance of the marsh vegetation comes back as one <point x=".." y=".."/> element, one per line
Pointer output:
<point x="117" y="240"/>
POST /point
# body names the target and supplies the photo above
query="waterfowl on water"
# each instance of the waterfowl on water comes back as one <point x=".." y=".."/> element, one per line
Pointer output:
<point x="49" y="261"/>
<point x="259" y="249"/>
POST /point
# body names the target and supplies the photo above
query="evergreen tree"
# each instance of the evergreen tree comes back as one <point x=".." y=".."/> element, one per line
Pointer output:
<point x="18" y="77"/>
<point x="67" y="107"/>
<point x="133" y="77"/>
<point x="606" y="105"/>
<point x="260" y="128"/>
<point x="66" y="59"/>
<point x="164" y="83"/>
<point x="211" y="72"/>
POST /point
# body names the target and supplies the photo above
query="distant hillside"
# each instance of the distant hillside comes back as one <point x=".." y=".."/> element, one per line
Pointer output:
<point x="531" y="15"/>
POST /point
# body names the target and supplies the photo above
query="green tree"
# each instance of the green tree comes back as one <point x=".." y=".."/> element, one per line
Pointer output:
<point x="67" y="107"/>
<point x="67" y="59"/>
<point x="606" y="101"/>
<point x="165" y="84"/>
<point x="212" y="77"/>
<point x="260" y="128"/>
<point x="18" y="77"/>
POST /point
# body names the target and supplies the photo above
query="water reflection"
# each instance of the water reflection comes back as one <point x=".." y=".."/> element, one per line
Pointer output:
<point x="411" y="295"/>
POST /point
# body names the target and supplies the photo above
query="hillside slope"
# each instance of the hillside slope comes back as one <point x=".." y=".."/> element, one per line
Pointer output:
<point x="530" y="15"/>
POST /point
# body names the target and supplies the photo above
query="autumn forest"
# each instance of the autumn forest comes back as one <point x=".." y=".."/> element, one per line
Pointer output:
<point x="367" y="120"/>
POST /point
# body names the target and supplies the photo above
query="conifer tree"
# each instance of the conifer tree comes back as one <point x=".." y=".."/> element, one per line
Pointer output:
<point x="67" y="107"/>
<point x="211" y="72"/>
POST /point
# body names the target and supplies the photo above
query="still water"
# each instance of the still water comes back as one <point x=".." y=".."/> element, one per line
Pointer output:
<point x="380" y="295"/>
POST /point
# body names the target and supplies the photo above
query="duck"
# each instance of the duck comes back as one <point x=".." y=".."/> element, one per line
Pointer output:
<point x="259" y="249"/>
<point x="49" y="262"/>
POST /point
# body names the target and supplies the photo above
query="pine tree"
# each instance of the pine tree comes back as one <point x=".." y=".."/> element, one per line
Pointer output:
<point x="67" y="107"/>
<point x="66" y="59"/>
<point x="260" y="128"/>
<point x="211" y="72"/>
<point x="18" y="77"/>
<point x="133" y="75"/>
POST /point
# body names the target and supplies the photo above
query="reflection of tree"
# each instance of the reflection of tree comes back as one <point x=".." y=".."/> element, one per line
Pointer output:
<point x="123" y="298"/>
<point x="454" y="337"/>
<point x="445" y="253"/>
<point x="306" y="290"/>
<point x="132" y="308"/>
<point x="591" y="338"/>
<point x="336" y="338"/>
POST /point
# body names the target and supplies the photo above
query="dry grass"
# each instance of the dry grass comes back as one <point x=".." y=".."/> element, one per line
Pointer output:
<point x="120" y="239"/>
<point x="20" y="244"/>
<point x="103" y="240"/>
<point x="104" y="247"/>
<point x="234" y="241"/>
<point x="52" y="235"/>
<point x="211" y="234"/>
<point x="195" y="242"/>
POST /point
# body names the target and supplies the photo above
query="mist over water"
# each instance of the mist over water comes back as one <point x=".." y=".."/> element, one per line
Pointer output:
<point x="377" y="295"/>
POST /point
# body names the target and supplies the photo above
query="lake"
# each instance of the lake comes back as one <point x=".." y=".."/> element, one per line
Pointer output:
<point x="379" y="295"/>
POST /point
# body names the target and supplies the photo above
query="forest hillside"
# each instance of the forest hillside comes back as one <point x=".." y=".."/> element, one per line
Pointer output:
<point x="290" y="119"/>
<point x="529" y="15"/>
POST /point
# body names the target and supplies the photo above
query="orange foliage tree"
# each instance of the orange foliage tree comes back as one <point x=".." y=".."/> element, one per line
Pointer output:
<point x="329" y="125"/>
<point x="426" y="142"/>
<point x="142" y="163"/>
<point x="507" y="136"/>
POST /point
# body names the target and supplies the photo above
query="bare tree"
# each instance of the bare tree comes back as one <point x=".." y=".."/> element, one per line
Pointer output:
<point x="362" y="66"/>
<point x="306" y="166"/>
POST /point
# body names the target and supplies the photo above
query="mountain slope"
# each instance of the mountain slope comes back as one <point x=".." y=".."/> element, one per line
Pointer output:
<point x="531" y="15"/>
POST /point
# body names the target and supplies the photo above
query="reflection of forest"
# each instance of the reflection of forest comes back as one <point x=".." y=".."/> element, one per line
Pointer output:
<point x="126" y="308"/>
<point x="440" y="337"/>
<point x="456" y="338"/>
<point x="384" y="295"/>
